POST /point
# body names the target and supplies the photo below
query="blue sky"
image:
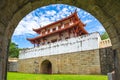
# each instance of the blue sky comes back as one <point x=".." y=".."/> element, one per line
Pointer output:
<point x="46" y="15"/>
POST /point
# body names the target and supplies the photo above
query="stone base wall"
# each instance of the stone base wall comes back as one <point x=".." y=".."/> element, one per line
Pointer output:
<point x="107" y="58"/>
<point x="12" y="66"/>
<point x="82" y="62"/>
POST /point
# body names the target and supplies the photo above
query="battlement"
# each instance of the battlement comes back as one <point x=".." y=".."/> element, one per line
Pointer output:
<point x="81" y="43"/>
<point x="105" y="43"/>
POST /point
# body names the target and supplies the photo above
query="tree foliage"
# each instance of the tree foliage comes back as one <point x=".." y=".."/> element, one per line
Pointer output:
<point x="13" y="50"/>
<point x="104" y="36"/>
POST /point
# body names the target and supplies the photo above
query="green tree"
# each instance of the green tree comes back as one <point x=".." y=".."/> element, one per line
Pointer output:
<point x="104" y="36"/>
<point x="13" y="50"/>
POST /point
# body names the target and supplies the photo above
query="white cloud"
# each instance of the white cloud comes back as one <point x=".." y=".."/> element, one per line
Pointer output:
<point x="50" y="13"/>
<point x="64" y="9"/>
<point x="87" y="21"/>
<point x="25" y="27"/>
<point x="28" y="17"/>
<point x="32" y="21"/>
<point x="57" y="7"/>
<point x="99" y="29"/>
<point x="46" y="17"/>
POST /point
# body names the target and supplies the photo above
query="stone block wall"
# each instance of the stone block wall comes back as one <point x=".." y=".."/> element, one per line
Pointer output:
<point x="81" y="62"/>
<point x="99" y="61"/>
<point x="12" y="66"/>
<point x="106" y="60"/>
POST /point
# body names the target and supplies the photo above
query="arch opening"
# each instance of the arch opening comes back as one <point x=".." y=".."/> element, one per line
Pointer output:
<point x="46" y="67"/>
<point x="104" y="23"/>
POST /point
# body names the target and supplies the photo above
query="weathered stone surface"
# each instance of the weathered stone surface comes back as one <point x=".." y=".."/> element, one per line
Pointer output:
<point x="12" y="66"/>
<point x="2" y="29"/>
<point x="85" y="62"/>
<point x="117" y="24"/>
<point x="2" y="3"/>
<point x="99" y="61"/>
<point x="101" y="9"/>
<point x="107" y="60"/>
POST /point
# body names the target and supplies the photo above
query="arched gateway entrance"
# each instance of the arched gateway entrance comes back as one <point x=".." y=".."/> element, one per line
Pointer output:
<point x="46" y="67"/>
<point x="11" y="12"/>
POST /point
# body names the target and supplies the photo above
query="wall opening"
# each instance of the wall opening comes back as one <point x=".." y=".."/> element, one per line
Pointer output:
<point x="46" y="67"/>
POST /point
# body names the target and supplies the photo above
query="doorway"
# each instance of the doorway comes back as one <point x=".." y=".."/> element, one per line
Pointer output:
<point x="46" y="67"/>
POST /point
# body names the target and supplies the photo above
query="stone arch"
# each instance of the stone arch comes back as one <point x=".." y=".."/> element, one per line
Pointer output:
<point x="106" y="11"/>
<point x="46" y="67"/>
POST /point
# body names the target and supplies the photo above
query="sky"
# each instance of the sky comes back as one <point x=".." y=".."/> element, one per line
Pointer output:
<point x="46" y="15"/>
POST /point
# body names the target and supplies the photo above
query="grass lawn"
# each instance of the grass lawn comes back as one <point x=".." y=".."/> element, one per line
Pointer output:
<point x="21" y="76"/>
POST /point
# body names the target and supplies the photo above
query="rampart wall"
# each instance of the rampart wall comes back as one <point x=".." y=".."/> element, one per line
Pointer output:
<point x="81" y="43"/>
<point x="81" y="62"/>
<point x="78" y="55"/>
<point x="105" y="43"/>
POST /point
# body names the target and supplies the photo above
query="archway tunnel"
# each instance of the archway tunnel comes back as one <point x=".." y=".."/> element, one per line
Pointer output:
<point x="11" y="12"/>
<point x="46" y="67"/>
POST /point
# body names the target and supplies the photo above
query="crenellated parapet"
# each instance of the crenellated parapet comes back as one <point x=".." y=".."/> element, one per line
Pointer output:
<point x="105" y="43"/>
<point x="81" y="43"/>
